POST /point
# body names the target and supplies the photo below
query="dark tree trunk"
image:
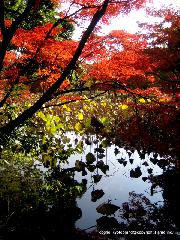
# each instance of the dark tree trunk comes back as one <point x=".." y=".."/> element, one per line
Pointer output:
<point x="48" y="95"/>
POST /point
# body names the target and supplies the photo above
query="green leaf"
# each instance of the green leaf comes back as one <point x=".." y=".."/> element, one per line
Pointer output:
<point x="78" y="127"/>
<point x="88" y="122"/>
<point x="56" y="119"/>
<point x="142" y="100"/>
<point x="48" y="125"/>
<point x="42" y="116"/>
<point x="68" y="109"/>
<point x="123" y="106"/>
<point x="44" y="139"/>
<point x="79" y="147"/>
<point x="90" y="158"/>
<point x="104" y="120"/>
<point x="79" y="165"/>
<point x="53" y="129"/>
<point x="80" y="116"/>
<point x="60" y="126"/>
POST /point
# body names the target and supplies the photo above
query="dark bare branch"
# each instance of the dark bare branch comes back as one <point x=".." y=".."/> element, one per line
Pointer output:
<point x="48" y="95"/>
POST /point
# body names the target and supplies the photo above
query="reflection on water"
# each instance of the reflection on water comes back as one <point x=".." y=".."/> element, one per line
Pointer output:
<point x="102" y="186"/>
<point x="116" y="183"/>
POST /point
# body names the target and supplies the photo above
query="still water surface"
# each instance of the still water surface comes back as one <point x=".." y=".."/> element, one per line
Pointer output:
<point x="116" y="183"/>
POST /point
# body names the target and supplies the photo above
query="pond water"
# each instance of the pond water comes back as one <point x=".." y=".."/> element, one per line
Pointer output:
<point x="88" y="182"/>
<point x="116" y="183"/>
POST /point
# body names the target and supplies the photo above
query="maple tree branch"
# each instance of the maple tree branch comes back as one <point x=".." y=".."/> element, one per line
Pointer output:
<point x="87" y="6"/>
<point x="9" y="33"/>
<point x="7" y="129"/>
<point x="75" y="100"/>
<point x="2" y="102"/>
<point x="18" y="20"/>
<point x="8" y="94"/>
<point x="123" y="1"/>
<point x="135" y="95"/>
<point x="60" y="20"/>
<point x="165" y="79"/>
<point x="59" y="93"/>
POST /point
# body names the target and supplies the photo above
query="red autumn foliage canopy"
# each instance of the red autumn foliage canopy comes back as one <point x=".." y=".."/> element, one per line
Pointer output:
<point x="40" y="55"/>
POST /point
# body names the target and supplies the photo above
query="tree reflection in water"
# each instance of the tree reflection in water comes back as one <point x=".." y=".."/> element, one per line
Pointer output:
<point x="40" y="202"/>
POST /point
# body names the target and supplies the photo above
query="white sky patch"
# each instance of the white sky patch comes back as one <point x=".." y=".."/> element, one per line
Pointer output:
<point x="129" y="22"/>
<point x="126" y="22"/>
